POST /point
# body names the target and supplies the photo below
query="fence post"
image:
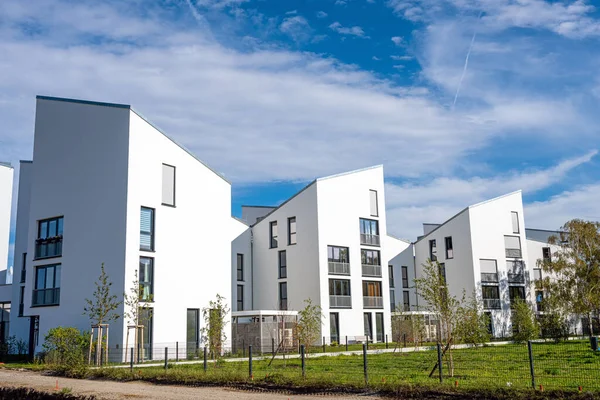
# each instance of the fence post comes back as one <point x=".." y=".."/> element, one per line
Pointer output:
<point x="323" y="344"/>
<point x="367" y="342"/>
<point x="250" y="362"/>
<point x="346" y="342"/>
<point x="139" y="352"/>
<point x="531" y="370"/>
<point x="176" y="351"/>
<point x="131" y="360"/>
<point x="303" y="362"/>
<point x="273" y="346"/>
<point x="386" y="342"/>
<point x="439" y="351"/>
<point x="365" y="363"/>
<point x="404" y="338"/>
<point x="166" y="357"/>
<point x="205" y="361"/>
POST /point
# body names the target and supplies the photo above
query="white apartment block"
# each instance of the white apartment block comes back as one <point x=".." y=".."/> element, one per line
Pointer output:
<point x="328" y="243"/>
<point x="6" y="185"/>
<point x="106" y="186"/>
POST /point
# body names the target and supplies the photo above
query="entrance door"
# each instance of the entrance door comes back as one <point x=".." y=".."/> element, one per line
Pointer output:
<point x="193" y="331"/>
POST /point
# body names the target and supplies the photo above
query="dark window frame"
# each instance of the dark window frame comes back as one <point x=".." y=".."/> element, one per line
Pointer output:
<point x="240" y="299"/>
<point x="345" y="260"/>
<point x="547" y="254"/>
<point x="365" y="288"/>
<point x="406" y="300"/>
<point x="46" y="239"/>
<point x="152" y="229"/>
<point x="432" y="253"/>
<point x="282" y="268"/>
<point x="174" y="205"/>
<point x="391" y="275"/>
<point x="451" y="247"/>
<point x="404" y="269"/>
<point x="364" y="258"/>
<point x="283" y="300"/>
<point x="343" y="283"/>
<point x="150" y="283"/>
<point x="290" y="231"/>
<point x="273" y="239"/>
<point x="376" y="203"/>
<point x="240" y="267"/>
<point x="56" y="288"/>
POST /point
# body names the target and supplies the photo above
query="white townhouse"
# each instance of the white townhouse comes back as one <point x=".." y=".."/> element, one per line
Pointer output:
<point x="328" y="243"/>
<point x="106" y="186"/>
<point x="6" y="185"/>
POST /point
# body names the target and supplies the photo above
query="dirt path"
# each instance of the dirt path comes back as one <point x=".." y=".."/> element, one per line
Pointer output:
<point x="140" y="390"/>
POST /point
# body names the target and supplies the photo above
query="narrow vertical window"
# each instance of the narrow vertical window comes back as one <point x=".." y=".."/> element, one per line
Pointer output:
<point x="432" y="250"/>
<point x="392" y="301"/>
<point x="273" y="234"/>
<point x="449" y="248"/>
<point x="168" y="185"/>
<point x="146" y="279"/>
<point x="292" y="230"/>
<point x="546" y="254"/>
<point x="240" y="297"/>
<point x="147" y="229"/>
<point x="406" y="300"/>
<point x="374" y="208"/>
<point x="282" y="264"/>
<point x="240" y="267"/>
<point x="404" y="276"/>
<point x="515" y="221"/>
<point x="391" y="275"/>
<point x="283" y="296"/>
<point x="23" y="268"/>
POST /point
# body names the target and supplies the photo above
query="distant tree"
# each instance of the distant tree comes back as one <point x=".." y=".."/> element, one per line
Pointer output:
<point x="525" y="326"/>
<point x="308" y="325"/>
<point x="575" y="269"/>
<point x="101" y="309"/>
<point x="213" y="332"/>
<point x="472" y="325"/>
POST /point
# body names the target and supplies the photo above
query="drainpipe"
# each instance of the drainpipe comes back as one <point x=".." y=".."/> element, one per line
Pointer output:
<point x="251" y="268"/>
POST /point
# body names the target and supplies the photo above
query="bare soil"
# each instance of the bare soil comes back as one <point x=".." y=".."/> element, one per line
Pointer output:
<point x="141" y="390"/>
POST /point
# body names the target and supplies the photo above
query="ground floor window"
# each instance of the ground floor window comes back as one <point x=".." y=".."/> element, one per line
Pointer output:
<point x="368" y="322"/>
<point x="334" y="327"/>
<point x="379" y="327"/>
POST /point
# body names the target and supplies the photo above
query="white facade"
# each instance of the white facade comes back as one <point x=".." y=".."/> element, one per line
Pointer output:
<point x="96" y="165"/>
<point x="6" y="189"/>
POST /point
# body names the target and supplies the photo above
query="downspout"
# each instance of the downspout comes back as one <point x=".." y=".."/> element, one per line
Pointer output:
<point x="251" y="269"/>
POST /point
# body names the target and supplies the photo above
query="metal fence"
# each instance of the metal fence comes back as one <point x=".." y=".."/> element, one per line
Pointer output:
<point x="571" y="365"/>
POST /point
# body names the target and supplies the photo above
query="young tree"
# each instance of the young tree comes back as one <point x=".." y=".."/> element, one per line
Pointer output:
<point x="472" y="326"/>
<point x="101" y="309"/>
<point x="575" y="269"/>
<point x="213" y="331"/>
<point x="525" y="326"/>
<point x="308" y="326"/>
<point x="432" y="287"/>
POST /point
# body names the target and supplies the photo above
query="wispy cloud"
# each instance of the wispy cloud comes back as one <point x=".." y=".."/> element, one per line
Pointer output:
<point x="297" y="28"/>
<point x="398" y="40"/>
<point x="401" y="58"/>
<point x="321" y="14"/>
<point x="352" y="31"/>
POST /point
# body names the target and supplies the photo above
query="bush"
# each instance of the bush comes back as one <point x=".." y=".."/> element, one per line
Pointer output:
<point x="525" y="326"/>
<point x="65" y="349"/>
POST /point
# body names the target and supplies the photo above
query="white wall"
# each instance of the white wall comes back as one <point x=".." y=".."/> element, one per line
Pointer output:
<point x="404" y="258"/>
<point x="192" y="261"/>
<point x="251" y="214"/>
<point x="6" y="189"/>
<point x="241" y="244"/>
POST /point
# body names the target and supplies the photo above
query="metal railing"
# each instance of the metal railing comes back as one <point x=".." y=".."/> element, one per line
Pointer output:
<point x="339" y="268"/>
<point x="340" y="301"/>
<point x="45" y="297"/>
<point x="516" y="278"/>
<point x="369" y="239"/>
<point x="489" y="277"/>
<point x="491" y="304"/>
<point x="371" y="270"/>
<point x="372" y="302"/>
<point x="513" y="253"/>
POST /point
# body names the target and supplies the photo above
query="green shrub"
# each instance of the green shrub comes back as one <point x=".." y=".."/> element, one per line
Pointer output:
<point x="65" y="349"/>
<point x="525" y="326"/>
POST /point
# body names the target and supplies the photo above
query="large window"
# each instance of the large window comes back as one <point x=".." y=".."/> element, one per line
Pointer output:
<point x="168" y="185"/>
<point x="373" y="201"/>
<point x="515" y="270"/>
<point x="147" y="229"/>
<point x="488" y="270"/>
<point x="283" y="296"/>
<point x="404" y="276"/>
<point x="292" y="230"/>
<point x="516" y="293"/>
<point x="46" y="291"/>
<point x="339" y="260"/>
<point x="240" y="267"/>
<point x="146" y="279"/>
<point x="515" y="221"/>
<point x="449" y="248"/>
<point x="339" y="287"/>
<point x="273" y="234"/>
<point x="512" y="245"/>
<point x="432" y="250"/>
<point x="491" y="297"/>
<point x="369" y="232"/>
<point x="371" y="263"/>
<point x="49" y="238"/>
<point x="240" y="298"/>
<point x="406" y="300"/>
<point x="282" y="264"/>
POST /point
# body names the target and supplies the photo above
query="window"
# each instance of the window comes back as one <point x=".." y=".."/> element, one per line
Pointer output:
<point x="371" y="289"/>
<point x="23" y="267"/>
<point x="368" y="323"/>
<point x="46" y="291"/>
<point x="168" y="185"/>
<point x="515" y="221"/>
<point x="192" y="330"/>
<point x="240" y="297"/>
<point x="21" y="300"/>
<point x="369" y="232"/>
<point x="488" y="270"/>
<point x="432" y="250"/>
<point x="546" y="254"/>
<point x="283" y="296"/>
<point x="370" y="257"/>
<point x="146" y="279"/>
<point x="449" y="249"/>
<point x="49" y="238"/>
<point x="273" y="233"/>
<point x="392" y="301"/>
<point x="338" y="260"/>
<point x="339" y="287"/>
<point x="515" y="270"/>
<point x="282" y="265"/>
<point x="391" y="275"/>
<point x="379" y="326"/>
<point x="442" y="272"/>
<point x="406" y="300"/>
<point x="240" y="267"/>
<point x="515" y="293"/>
<point x="146" y="318"/>
<point x="539" y="299"/>
<point x="513" y="246"/>
<point x="491" y="297"/>
<point x="490" y="326"/>
<point x="373" y="198"/>
<point x="292" y="230"/>
<point x="334" y="327"/>
<point x="404" y="276"/>
<point x="147" y="229"/>
<point x="537" y="274"/>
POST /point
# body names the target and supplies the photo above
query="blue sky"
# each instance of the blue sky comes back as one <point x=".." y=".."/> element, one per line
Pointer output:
<point x="274" y="93"/>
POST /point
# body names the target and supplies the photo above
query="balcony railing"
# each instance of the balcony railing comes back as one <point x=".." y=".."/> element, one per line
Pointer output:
<point x="372" y="302"/>
<point x="513" y="253"/>
<point x="23" y="275"/>
<point x="516" y="278"/>
<point x="371" y="270"/>
<point x="21" y="307"/>
<point x="340" y="301"/>
<point x="372" y="240"/>
<point x="491" y="304"/>
<point x="339" y="268"/>
<point x="283" y="304"/>
<point x="489" y="277"/>
<point x="46" y="297"/>
<point x="49" y="247"/>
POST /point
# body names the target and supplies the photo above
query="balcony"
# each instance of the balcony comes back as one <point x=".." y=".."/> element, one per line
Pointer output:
<point x="339" y="268"/>
<point x="371" y="270"/>
<point x="513" y="253"/>
<point x="368" y="239"/>
<point x="489" y="277"/>
<point x="491" y="304"/>
<point x="340" y="301"/>
<point x="46" y="297"/>
<point x="518" y="278"/>
<point x="372" y="302"/>
<point x="23" y="275"/>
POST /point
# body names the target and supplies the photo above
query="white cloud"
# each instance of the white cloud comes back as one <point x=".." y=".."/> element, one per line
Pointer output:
<point x="219" y="4"/>
<point x="321" y="14"/>
<point x="353" y="31"/>
<point x="375" y="58"/>
<point x="341" y="2"/>
<point x="297" y="28"/>
<point x="401" y="58"/>
<point x="293" y="12"/>
<point x="398" y="40"/>
<point x="399" y="66"/>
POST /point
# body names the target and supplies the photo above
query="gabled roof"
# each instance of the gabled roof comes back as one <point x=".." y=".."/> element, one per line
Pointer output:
<point x="127" y="106"/>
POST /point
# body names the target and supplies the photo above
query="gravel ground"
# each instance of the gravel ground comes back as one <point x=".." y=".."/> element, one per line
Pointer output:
<point x="141" y="390"/>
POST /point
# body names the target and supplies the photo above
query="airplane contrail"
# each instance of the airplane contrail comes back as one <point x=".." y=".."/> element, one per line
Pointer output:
<point x="462" y="77"/>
